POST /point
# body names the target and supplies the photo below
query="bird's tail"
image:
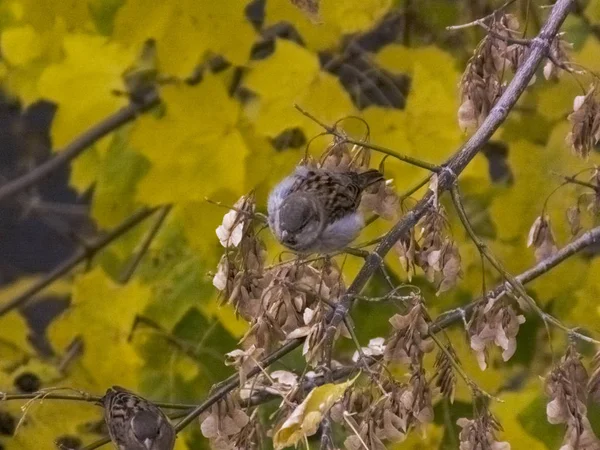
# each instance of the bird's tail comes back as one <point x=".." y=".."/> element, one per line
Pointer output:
<point x="368" y="178"/>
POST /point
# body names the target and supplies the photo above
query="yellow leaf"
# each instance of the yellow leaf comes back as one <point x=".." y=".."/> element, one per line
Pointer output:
<point x="102" y="314"/>
<point x="592" y="12"/>
<point x="432" y="102"/>
<point x="20" y="45"/>
<point x="300" y="81"/>
<point x="507" y="412"/>
<point x="49" y="421"/>
<point x="587" y="55"/>
<point x="83" y="84"/>
<point x="28" y="52"/>
<point x="305" y="419"/>
<point x="43" y="14"/>
<point x="84" y="169"/>
<point x="194" y="149"/>
<point x="14" y="342"/>
<point x="116" y="178"/>
<point x="186" y="30"/>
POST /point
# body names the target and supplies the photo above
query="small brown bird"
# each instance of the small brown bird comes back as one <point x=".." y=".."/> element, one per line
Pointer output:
<point x="316" y="210"/>
<point x="134" y="423"/>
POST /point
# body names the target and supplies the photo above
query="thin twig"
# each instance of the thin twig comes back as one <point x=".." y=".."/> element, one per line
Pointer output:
<point x="482" y="19"/>
<point x="511" y="280"/>
<point x="81" y="255"/>
<point x="442" y="322"/>
<point x="455" y="315"/>
<point x="333" y="131"/>
<point x="137" y="258"/>
<point x="573" y="180"/>
<point x="80" y="398"/>
<point x="79" y="144"/>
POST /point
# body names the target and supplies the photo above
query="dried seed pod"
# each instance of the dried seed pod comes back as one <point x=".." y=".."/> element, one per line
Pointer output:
<point x="585" y="124"/>
<point x="236" y="221"/>
<point x="574" y="219"/>
<point x="567" y="386"/>
<point x="480" y="432"/>
<point x="382" y="200"/>
<point x="244" y="360"/>
<point x="134" y="423"/>
<point x="408" y="250"/>
<point x="223" y="423"/>
<point x="409" y="342"/>
<point x="559" y="49"/>
<point x="494" y="323"/>
<point x="542" y="238"/>
<point x="445" y="379"/>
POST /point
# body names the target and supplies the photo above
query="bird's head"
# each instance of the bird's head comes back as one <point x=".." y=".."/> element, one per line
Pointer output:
<point x="301" y="221"/>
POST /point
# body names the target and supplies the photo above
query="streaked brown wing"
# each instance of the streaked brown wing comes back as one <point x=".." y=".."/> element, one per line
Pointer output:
<point x="339" y="192"/>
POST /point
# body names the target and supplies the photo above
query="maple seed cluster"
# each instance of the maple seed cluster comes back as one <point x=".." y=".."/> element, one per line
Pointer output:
<point x="385" y="410"/>
<point x="568" y="387"/>
<point x="585" y="123"/>
<point x="480" y="432"/>
<point x="433" y="250"/>
<point x="499" y="52"/>
<point x="494" y="322"/>
<point x="482" y="82"/>
<point x="588" y="201"/>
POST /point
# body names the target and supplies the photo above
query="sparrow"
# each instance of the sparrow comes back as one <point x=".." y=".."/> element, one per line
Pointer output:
<point x="134" y="423"/>
<point x="316" y="210"/>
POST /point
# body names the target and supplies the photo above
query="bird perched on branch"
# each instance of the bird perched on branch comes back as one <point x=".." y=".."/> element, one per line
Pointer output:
<point x="134" y="423"/>
<point x="316" y="210"/>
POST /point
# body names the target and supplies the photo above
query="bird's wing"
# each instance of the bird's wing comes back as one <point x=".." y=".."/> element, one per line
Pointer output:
<point x="339" y="193"/>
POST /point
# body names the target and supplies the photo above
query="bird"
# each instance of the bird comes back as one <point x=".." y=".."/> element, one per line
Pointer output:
<point x="315" y="210"/>
<point x="134" y="423"/>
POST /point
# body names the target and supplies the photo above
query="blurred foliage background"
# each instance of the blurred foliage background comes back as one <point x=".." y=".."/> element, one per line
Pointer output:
<point x="231" y="128"/>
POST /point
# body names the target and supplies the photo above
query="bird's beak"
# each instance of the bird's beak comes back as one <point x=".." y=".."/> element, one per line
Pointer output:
<point x="148" y="443"/>
<point x="284" y="235"/>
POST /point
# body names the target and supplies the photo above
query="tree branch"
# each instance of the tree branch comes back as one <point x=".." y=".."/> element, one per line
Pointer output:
<point x="585" y="240"/>
<point x="82" y="142"/>
<point x="137" y="258"/>
<point x="80" y="255"/>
